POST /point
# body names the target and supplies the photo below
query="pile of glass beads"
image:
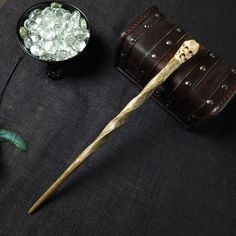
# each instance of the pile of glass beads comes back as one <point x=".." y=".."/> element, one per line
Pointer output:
<point x="54" y="33"/>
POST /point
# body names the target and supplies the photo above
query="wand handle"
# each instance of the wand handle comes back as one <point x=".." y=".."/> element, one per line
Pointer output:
<point x="187" y="50"/>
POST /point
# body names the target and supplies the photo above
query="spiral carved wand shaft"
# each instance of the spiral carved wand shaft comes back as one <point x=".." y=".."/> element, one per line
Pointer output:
<point x="186" y="51"/>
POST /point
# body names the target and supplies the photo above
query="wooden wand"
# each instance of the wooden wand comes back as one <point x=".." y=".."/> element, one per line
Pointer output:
<point x="186" y="51"/>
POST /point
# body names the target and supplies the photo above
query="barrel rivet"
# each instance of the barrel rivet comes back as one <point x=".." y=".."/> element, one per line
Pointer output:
<point x="209" y="102"/>
<point x="154" y="56"/>
<point x="157" y="15"/>
<point x="234" y="71"/>
<point x="188" y="83"/>
<point x="122" y="34"/>
<point x="216" y="109"/>
<point x="202" y="68"/>
<point x="179" y="30"/>
<point x="212" y="55"/>
<point x="169" y="42"/>
<point x="146" y="26"/>
<point x="224" y="86"/>
<point x="133" y="40"/>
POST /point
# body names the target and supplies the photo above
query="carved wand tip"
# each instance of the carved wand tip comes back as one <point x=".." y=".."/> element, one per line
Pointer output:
<point x="186" y="51"/>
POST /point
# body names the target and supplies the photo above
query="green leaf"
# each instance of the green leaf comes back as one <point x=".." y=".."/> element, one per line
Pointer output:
<point x="14" y="139"/>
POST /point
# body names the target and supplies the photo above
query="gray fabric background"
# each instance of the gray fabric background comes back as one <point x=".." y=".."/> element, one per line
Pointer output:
<point x="152" y="177"/>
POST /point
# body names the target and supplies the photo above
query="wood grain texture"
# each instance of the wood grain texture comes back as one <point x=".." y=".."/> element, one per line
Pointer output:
<point x="186" y="51"/>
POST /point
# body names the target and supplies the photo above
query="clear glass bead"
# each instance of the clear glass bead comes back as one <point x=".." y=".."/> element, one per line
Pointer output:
<point x="48" y="20"/>
<point x="61" y="55"/>
<point x="55" y="34"/>
<point x="59" y="12"/>
<point x="36" y="50"/>
<point x="59" y="29"/>
<point x="39" y="43"/>
<point x="32" y="16"/>
<point x="69" y="40"/>
<point x="83" y="34"/>
<point x="38" y="11"/>
<point x="83" y="23"/>
<point x="49" y="47"/>
<point x="46" y="11"/>
<point x="28" y="42"/>
<point x="56" y="5"/>
<point x="75" y="19"/>
<point x="35" y="38"/>
<point x="46" y="57"/>
<point x="39" y="19"/>
<point x="23" y="32"/>
<point x="47" y="33"/>
<point x="63" y="46"/>
<point x="67" y="16"/>
<point x="69" y="26"/>
<point x="78" y="45"/>
<point x="60" y="22"/>
<point x="76" y="14"/>
<point x="71" y="53"/>
<point x="28" y="24"/>
<point x="34" y="28"/>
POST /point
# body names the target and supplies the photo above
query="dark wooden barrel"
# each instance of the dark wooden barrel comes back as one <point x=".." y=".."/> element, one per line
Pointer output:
<point x="199" y="90"/>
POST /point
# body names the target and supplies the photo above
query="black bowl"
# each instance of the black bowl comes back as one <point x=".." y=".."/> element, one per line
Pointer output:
<point x="43" y="5"/>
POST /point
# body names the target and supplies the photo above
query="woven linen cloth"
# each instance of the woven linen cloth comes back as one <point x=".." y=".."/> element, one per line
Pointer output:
<point x="152" y="177"/>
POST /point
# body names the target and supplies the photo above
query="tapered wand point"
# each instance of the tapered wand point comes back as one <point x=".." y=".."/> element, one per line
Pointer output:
<point x="30" y="211"/>
<point x="35" y="207"/>
<point x="186" y="52"/>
